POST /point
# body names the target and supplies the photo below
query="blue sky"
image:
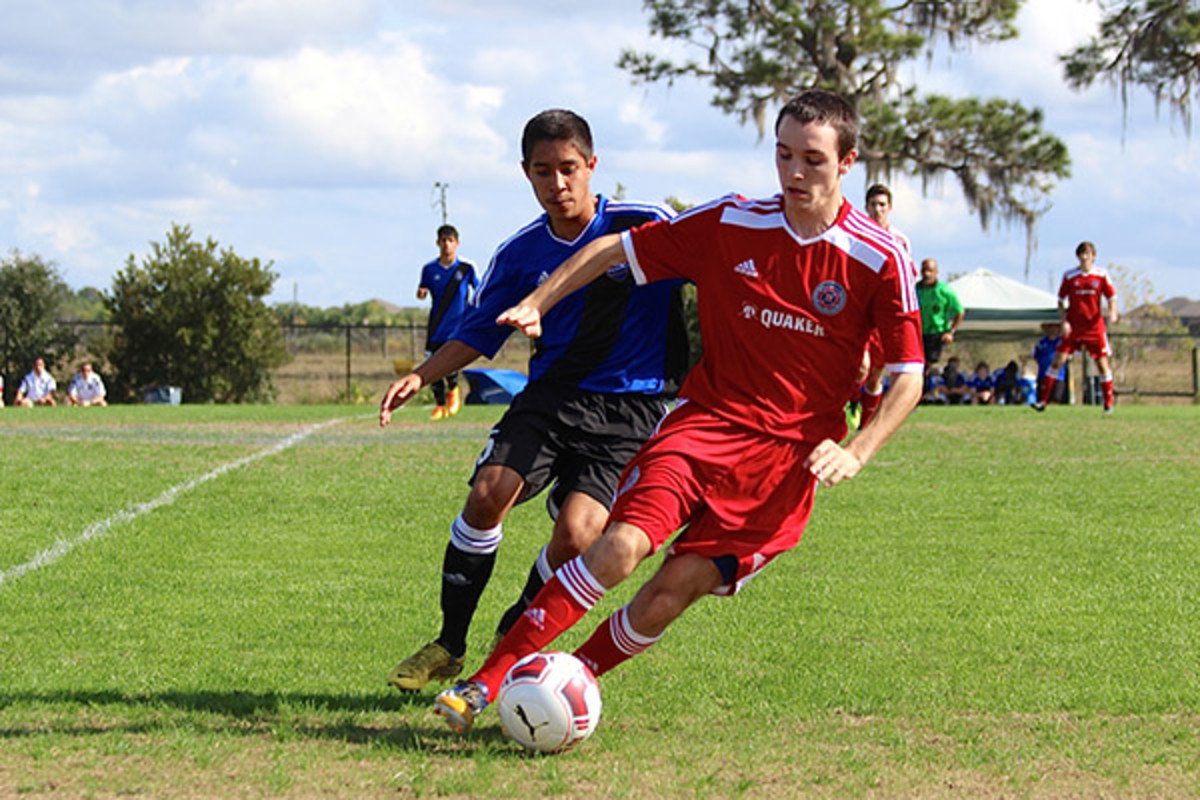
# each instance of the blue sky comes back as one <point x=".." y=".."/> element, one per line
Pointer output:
<point x="310" y="133"/>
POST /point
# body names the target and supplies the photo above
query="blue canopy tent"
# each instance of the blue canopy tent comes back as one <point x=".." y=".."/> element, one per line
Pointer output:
<point x="493" y="386"/>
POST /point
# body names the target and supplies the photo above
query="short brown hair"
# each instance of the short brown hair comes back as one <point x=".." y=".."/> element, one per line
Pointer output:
<point x="831" y="108"/>
<point x="879" y="188"/>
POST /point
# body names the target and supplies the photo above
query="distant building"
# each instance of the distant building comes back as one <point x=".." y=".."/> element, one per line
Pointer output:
<point x="1188" y="312"/>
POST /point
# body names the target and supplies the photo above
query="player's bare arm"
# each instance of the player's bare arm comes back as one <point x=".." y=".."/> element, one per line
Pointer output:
<point x="589" y="263"/>
<point x="450" y="357"/>
<point x="830" y="463"/>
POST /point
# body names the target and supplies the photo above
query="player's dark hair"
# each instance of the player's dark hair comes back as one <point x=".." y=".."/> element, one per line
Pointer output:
<point x="1084" y="247"/>
<point x="557" y="125"/>
<point x="821" y="105"/>
<point x="879" y="188"/>
<point x="447" y="230"/>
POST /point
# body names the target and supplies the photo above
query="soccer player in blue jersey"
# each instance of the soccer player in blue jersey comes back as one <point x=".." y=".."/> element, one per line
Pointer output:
<point x="609" y="355"/>
<point x="448" y="280"/>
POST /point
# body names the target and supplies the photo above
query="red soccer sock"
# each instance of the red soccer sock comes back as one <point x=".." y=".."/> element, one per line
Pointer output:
<point x="1106" y="385"/>
<point x="562" y="602"/>
<point x="1047" y="389"/>
<point x="869" y="404"/>
<point x="613" y="643"/>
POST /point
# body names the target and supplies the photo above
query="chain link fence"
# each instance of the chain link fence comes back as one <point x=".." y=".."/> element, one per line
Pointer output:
<point x="355" y="363"/>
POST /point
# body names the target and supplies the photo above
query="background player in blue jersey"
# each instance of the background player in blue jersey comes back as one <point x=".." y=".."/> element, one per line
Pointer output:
<point x="449" y="281"/>
<point x="597" y="378"/>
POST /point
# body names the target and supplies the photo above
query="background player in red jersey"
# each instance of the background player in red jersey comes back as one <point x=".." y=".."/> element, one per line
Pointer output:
<point x="879" y="208"/>
<point x="1079" y="301"/>
<point x="789" y="288"/>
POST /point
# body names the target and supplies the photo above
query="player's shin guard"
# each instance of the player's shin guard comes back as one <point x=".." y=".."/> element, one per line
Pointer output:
<point x="1048" y="384"/>
<point x="562" y="602"/>
<point x="1106" y="386"/>
<point x="613" y="643"/>
<point x="539" y="573"/>
<point x="870" y="404"/>
<point x="466" y="569"/>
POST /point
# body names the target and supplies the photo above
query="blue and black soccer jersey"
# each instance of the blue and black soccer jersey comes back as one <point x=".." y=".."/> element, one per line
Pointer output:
<point x="611" y="336"/>
<point x="446" y="311"/>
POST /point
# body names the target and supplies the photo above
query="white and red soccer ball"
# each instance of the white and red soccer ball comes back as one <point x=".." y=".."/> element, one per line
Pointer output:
<point x="549" y="702"/>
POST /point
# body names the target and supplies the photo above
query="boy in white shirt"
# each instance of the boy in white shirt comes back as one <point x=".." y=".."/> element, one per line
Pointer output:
<point x="37" y="388"/>
<point x="87" y="388"/>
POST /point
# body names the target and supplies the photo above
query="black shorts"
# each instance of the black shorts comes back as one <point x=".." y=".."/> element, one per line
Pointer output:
<point x="579" y="440"/>
<point x="933" y="347"/>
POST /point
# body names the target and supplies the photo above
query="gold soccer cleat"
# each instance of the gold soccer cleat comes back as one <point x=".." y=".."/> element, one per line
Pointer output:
<point x="431" y="663"/>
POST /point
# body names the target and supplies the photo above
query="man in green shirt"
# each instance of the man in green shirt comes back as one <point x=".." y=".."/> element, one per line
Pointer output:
<point x="941" y="311"/>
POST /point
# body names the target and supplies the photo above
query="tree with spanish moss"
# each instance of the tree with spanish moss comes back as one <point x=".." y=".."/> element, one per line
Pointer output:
<point x="757" y="53"/>
<point x="1149" y="44"/>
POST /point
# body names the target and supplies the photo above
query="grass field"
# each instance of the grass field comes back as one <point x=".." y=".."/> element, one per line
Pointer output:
<point x="205" y="601"/>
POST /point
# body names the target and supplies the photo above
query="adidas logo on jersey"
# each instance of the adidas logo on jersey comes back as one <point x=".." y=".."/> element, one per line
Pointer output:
<point x="746" y="268"/>
<point x="543" y="277"/>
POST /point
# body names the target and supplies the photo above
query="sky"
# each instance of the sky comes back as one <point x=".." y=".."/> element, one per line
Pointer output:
<point x="315" y="134"/>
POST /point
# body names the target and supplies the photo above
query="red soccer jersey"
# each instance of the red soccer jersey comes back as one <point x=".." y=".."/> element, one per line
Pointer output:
<point x="1082" y="291"/>
<point x="783" y="320"/>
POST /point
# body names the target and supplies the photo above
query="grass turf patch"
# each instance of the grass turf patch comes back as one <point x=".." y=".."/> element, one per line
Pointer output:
<point x="1002" y="605"/>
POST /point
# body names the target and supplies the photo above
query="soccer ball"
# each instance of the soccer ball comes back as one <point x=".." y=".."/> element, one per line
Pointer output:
<point x="549" y="702"/>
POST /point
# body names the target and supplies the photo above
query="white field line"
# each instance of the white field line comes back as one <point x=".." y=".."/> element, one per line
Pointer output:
<point x="97" y="529"/>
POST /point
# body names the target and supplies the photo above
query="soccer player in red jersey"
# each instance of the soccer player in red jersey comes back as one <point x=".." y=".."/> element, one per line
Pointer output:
<point x="789" y="288"/>
<point x="1079" y="300"/>
<point x="870" y="394"/>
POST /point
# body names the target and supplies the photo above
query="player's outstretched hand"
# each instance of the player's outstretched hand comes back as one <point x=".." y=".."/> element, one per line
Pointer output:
<point x="397" y="395"/>
<point x="830" y="463"/>
<point x="524" y="318"/>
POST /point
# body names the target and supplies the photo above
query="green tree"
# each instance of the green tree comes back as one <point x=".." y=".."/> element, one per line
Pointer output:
<point x="192" y="315"/>
<point x="757" y="54"/>
<point x="31" y="293"/>
<point x="1153" y="44"/>
<point x="84" y="305"/>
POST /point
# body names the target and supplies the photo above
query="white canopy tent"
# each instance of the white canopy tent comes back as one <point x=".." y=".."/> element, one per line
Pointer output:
<point x="996" y="303"/>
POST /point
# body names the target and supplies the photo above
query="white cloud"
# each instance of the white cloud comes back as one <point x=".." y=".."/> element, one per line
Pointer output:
<point x="634" y="112"/>
<point x="381" y="113"/>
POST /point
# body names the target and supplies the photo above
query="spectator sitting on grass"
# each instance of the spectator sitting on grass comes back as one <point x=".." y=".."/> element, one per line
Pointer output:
<point x="1007" y="385"/>
<point x="37" y="388"/>
<point x="86" y="388"/>
<point x="934" y="393"/>
<point x="981" y="384"/>
<point x="958" y="393"/>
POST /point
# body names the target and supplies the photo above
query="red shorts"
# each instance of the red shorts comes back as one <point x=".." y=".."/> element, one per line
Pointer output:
<point x="740" y="493"/>
<point x="1094" y="340"/>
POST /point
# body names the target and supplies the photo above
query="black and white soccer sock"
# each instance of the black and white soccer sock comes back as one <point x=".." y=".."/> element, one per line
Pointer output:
<point x="466" y="569"/>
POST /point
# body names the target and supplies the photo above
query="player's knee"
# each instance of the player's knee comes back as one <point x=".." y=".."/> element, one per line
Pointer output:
<point x="573" y="536"/>
<point x="616" y="554"/>
<point x="568" y="542"/>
